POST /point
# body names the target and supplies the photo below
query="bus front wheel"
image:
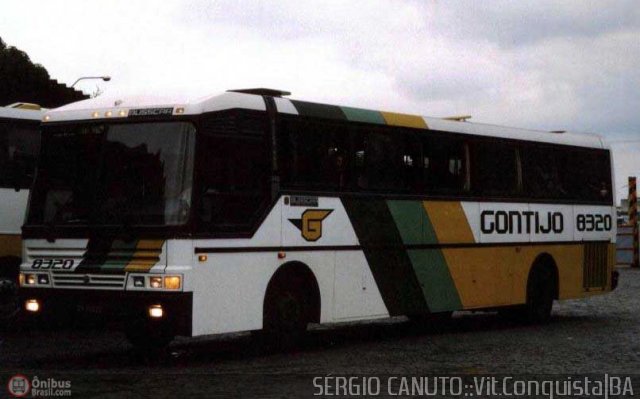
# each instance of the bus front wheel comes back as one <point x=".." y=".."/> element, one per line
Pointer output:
<point x="285" y="321"/>
<point x="148" y="336"/>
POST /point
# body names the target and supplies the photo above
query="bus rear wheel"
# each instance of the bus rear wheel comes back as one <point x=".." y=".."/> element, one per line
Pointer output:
<point x="541" y="289"/>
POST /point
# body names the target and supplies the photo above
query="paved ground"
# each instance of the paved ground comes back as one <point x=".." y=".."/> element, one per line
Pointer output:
<point x="598" y="335"/>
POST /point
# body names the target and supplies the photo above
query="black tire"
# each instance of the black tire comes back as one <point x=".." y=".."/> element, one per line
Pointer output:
<point x="148" y="336"/>
<point x="430" y="320"/>
<point x="9" y="303"/>
<point x="541" y="291"/>
<point x="286" y="316"/>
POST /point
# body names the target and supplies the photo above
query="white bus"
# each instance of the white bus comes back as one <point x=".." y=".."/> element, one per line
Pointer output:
<point x="19" y="145"/>
<point x="249" y="211"/>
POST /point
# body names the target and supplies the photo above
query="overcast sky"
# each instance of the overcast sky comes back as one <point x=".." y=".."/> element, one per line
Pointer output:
<point x="552" y="65"/>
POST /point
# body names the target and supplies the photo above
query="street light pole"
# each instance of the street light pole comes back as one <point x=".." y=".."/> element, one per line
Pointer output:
<point x="103" y="78"/>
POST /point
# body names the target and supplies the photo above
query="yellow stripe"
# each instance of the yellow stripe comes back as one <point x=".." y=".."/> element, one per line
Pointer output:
<point x="449" y="222"/>
<point x="405" y="120"/>
<point x="145" y="257"/>
<point x="482" y="276"/>
<point x="493" y="276"/>
<point x="10" y="245"/>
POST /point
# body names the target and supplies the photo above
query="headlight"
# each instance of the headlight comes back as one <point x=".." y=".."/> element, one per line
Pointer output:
<point x="30" y="279"/>
<point x="21" y="279"/>
<point x="43" y="279"/>
<point x="32" y="305"/>
<point x="155" y="282"/>
<point x="156" y="311"/>
<point x="138" y="281"/>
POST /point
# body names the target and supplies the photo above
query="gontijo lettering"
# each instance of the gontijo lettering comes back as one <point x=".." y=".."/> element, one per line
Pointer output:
<point x="518" y="222"/>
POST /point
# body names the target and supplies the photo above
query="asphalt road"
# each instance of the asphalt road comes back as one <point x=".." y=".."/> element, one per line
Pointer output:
<point x="598" y="335"/>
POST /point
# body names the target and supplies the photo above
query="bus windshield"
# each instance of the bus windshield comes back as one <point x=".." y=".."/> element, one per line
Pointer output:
<point x="114" y="174"/>
<point x="19" y="145"/>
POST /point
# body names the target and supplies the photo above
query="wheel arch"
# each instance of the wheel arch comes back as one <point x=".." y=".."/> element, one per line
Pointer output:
<point x="542" y="261"/>
<point x="296" y="272"/>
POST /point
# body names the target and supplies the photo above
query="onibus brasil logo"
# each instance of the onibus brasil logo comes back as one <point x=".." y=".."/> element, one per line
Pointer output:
<point x="310" y="224"/>
<point x="19" y="386"/>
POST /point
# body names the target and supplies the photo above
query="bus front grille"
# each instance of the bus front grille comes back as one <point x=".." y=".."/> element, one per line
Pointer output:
<point x="68" y="280"/>
<point x="594" y="267"/>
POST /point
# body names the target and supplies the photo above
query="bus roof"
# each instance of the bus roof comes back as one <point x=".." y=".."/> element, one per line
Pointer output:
<point x="11" y="112"/>
<point x="117" y="108"/>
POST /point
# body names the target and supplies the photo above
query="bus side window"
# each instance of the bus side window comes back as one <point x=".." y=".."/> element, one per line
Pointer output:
<point x="544" y="172"/>
<point x="411" y="168"/>
<point x="444" y="161"/>
<point x="385" y="159"/>
<point x="358" y="159"/>
<point x="314" y="155"/>
<point x="591" y="178"/>
<point x="234" y="175"/>
<point x="19" y="147"/>
<point x="495" y="169"/>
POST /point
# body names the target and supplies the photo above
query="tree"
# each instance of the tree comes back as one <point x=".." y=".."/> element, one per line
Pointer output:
<point x="23" y="81"/>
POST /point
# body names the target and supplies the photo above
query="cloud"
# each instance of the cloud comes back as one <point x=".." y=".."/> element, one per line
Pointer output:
<point x="539" y="64"/>
<point x="521" y="23"/>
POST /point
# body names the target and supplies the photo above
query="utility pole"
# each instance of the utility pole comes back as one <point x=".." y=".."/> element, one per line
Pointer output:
<point x="633" y="219"/>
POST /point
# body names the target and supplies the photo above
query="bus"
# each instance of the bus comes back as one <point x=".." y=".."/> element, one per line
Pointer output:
<point x="19" y="145"/>
<point x="251" y="211"/>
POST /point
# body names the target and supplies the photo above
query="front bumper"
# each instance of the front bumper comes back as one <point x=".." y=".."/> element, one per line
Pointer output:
<point x="117" y="305"/>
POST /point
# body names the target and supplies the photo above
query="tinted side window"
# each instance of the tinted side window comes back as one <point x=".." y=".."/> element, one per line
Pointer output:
<point x="566" y="173"/>
<point x="234" y="171"/>
<point x="590" y="175"/>
<point x="544" y="172"/>
<point x="495" y="170"/>
<point x="444" y="162"/>
<point x="386" y="159"/>
<point x="314" y="155"/>
<point x="19" y="147"/>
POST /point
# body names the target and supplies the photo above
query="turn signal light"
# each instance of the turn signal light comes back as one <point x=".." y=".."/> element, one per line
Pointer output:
<point x="172" y="283"/>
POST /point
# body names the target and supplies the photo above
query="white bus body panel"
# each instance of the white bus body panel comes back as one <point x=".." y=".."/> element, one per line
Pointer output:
<point x="229" y="288"/>
<point x="12" y="210"/>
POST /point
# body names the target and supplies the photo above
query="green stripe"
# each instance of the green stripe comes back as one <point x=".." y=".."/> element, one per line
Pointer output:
<point x="412" y="222"/>
<point x="387" y="258"/>
<point x="318" y="110"/>
<point x="437" y="285"/>
<point x="409" y="218"/>
<point x="363" y="115"/>
<point x="97" y="258"/>
<point x="430" y="266"/>
<point x="129" y="249"/>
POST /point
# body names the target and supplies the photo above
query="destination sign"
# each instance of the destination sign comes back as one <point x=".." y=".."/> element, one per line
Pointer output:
<point x="150" y="112"/>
